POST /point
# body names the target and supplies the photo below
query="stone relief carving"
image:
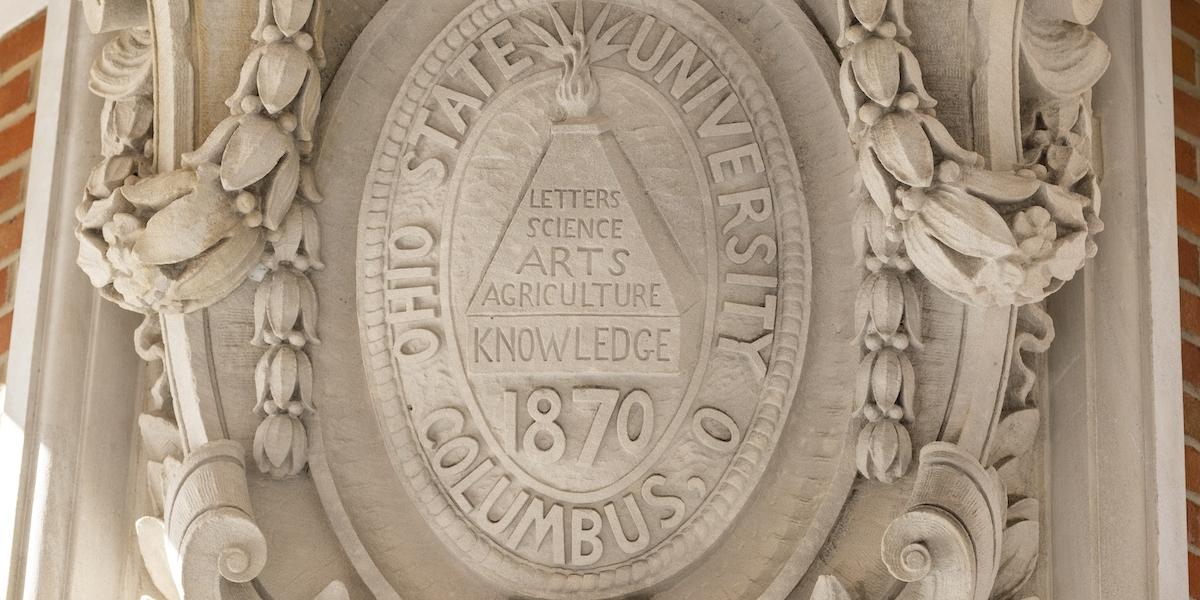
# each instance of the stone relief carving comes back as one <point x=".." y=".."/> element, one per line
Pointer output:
<point x="180" y="241"/>
<point x="982" y="236"/>
<point x="242" y="207"/>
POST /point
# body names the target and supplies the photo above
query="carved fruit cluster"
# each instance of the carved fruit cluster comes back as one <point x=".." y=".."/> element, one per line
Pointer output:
<point x="263" y="149"/>
<point x="984" y="237"/>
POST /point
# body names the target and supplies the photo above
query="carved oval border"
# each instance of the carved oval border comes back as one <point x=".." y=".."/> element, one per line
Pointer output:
<point x="728" y="496"/>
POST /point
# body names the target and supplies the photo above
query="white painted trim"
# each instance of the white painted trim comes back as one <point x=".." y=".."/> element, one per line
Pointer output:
<point x="73" y="388"/>
<point x="1115" y="457"/>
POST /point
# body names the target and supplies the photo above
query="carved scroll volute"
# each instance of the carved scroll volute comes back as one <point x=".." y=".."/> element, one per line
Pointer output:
<point x="111" y="15"/>
<point x="948" y="544"/>
<point x="207" y="533"/>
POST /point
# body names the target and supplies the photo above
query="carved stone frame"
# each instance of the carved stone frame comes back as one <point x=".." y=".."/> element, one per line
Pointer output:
<point x="67" y="411"/>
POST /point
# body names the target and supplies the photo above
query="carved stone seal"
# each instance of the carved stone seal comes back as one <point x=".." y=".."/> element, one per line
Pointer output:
<point x="580" y="296"/>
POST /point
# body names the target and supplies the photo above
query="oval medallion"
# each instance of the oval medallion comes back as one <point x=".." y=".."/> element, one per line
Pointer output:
<point x="582" y="296"/>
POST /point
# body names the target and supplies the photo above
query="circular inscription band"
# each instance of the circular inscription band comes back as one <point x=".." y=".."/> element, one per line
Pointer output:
<point x="588" y="288"/>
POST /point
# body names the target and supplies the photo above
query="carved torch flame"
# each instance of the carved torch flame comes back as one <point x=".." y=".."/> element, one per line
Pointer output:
<point x="577" y="93"/>
<point x="577" y="48"/>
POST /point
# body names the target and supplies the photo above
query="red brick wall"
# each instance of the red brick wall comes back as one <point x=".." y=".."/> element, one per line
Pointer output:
<point x="1185" y="17"/>
<point x="20" y="54"/>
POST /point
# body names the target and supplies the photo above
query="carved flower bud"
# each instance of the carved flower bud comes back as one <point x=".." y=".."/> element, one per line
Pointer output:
<point x="272" y="34"/>
<point x="1035" y="231"/>
<point x="870" y="113"/>
<point x="281" y="446"/>
<point x="856" y="34"/>
<point x="303" y="40"/>
<point x="246" y="202"/>
<point x="251" y="104"/>
<point x="908" y="101"/>
<point x="887" y="30"/>
<point x="884" y="451"/>
<point x="285" y="303"/>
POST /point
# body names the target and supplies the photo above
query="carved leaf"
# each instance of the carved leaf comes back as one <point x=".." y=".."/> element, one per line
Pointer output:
<point x="829" y="588"/>
<point x="1066" y="208"/>
<point x="291" y="15"/>
<point x="247" y="80"/>
<point x="262" y="380"/>
<point x="999" y="186"/>
<point x="309" y="105"/>
<point x="1064" y="58"/>
<point x="967" y="224"/>
<point x="281" y="71"/>
<point x="91" y="258"/>
<point x="908" y="389"/>
<point x="160" y="438"/>
<point x="312" y="238"/>
<point x="852" y="97"/>
<point x="862" y="382"/>
<point x="153" y="543"/>
<point x="910" y="71"/>
<point x="214" y="274"/>
<point x="253" y="151"/>
<point x="944" y="143"/>
<point x="308" y="185"/>
<point x="130" y="119"/>
<point x="1016" y="434"/>
<point x="886" y="378"/>
<point x="110" y="174"/>
<point x="214" y="145"/>
<point x="304" y="379"/>
<point x="100" y="212"/>
<point x="308" y="309"/>
<point x="881" y="187"/>
<point x="284" y="370"/>
<point x="933" y="258"/>
<point x="876" y="65"/>
<point x="281" y="191"/>
<point x="291" y="233"/>
<point x="868" y="12"/>
<point x="912" y="311"/>
<point x="283" y="304"/>
<point x="862" y="301"/>
<point x="187" y="227"/>
<point x="1069" y="254"/>
<point x="156" y="192"/>
<point x="903" y="148"/>
<point x="1018" y="558"/>
<point x="336" y="590"/>
<point x="887" y="302"/>
<point x="279" y="439"/>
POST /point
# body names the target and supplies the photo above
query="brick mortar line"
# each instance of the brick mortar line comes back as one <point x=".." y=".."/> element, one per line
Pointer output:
<point x="29" y="63"/>
<point x="1191" y="338"/>
<point x="1192" y="88"/>
<point x="1192" y="187"/>
<point x="1189" y="287"/>
<point x="17" y="115"/>
<point x="1185" y="37"/>
<point x="20" y="162"/>
<point x="1188" y="388"/>
<point x="1191" y="138"/>
<point x="11" y="213"/>
<point x="1190" y="237"/>
<point x="1192" y="443"/>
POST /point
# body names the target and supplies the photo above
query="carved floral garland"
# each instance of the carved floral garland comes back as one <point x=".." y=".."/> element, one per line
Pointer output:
<point x="988" y="238"/>
<point x="177" y="242"/>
